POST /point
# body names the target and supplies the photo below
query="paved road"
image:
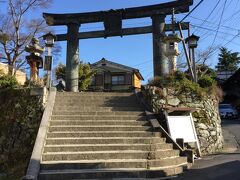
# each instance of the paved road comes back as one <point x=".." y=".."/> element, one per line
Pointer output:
<point x="225" y="166"/>
<point x="233" y="126"/>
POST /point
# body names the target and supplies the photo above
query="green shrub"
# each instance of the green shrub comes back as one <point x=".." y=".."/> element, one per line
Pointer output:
<point x="189" y="86"/>
<point x="7" y="81"/>
<point x="163" y="81"/>
<point x="19" y="121"/>
<point x="60" y="71"/>
<point x="206" y="81"/>
<point x="182" y="83"/>
<point x="179" y="75"/>
<point x="85" y="74"/>
<point x="157" y="81"/>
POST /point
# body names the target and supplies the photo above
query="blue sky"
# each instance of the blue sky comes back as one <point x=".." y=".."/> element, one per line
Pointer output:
<point x="136" y="51"/>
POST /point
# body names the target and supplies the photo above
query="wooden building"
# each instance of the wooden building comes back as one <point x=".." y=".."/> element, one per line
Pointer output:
<point x="231" y="88"/>
<point x="111" y="76"/>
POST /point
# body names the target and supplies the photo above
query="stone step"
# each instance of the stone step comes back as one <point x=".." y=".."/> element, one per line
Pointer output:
<point x="106" y="147"/>
<point x="109" y="173"/>
<point x="95" y="108"/>
<point x="113" y="163"/>
<point x="97" y="122"/>
<point x="103" y="134"/>
<point x="99" y="117"/>
<point x="88" y="99"/>
<point x="102" y="94"/>
<point x="99" y="104"/>
<point x="98" y="128"/>
<point x="93" y="104"/>
<point x="105" y="113"/>
<point x="131" y="105"/>
<point x="105" y="140"/>
<point x="99" y="113"/>
<point x="91" y="155"/>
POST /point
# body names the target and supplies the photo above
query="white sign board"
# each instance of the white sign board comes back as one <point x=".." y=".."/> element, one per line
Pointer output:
<point x="181" y="127"/>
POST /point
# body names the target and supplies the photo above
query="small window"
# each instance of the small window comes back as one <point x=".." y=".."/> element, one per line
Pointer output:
<point x="117" y="80"/>
<point x="171" y="45"/>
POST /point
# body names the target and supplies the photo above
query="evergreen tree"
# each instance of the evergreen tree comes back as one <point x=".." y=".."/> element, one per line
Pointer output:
<point x="85" y="74"/>
<point x="228" y="61"/>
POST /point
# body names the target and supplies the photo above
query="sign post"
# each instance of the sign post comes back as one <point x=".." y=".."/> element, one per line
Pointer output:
<point x="48" y="68"/>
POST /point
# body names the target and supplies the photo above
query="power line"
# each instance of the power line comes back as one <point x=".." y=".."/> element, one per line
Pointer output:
<point x="222" y="38"/>
<point x="228" y="27"/>
<point x="214" y="9"/>
<point x="191" y="11"/>
<point x="149" y="75"/>
<point x="219" y="23"/>
<point x="205" y="20"/>
<point x="209" y="29"/>
<point x="142" y="63"/>
<point x="231" y="16"/>
<point x="237" y="35"/>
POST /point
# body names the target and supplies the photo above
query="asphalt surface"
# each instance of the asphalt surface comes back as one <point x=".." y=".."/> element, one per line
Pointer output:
<point x="223" y="166"/>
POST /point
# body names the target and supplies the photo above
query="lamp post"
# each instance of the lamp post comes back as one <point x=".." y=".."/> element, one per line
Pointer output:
<point x="193" y="43"/>
<point x="49" y="42"/>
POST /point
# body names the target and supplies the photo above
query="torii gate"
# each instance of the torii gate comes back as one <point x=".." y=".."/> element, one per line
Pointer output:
<point x="112" y="20"/>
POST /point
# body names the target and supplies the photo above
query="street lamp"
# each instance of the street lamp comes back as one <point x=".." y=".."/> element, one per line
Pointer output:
<point x="49" y="39"/>
<point x="49" y="42"/>
<point x="192" y="44"/>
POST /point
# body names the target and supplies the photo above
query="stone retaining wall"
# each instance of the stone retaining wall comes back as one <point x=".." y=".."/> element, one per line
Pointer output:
<point x="206" y="117"/>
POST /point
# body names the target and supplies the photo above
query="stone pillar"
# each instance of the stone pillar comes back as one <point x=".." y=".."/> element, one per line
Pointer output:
<point x="72" y="57"/>
<point x="160" y="61"/>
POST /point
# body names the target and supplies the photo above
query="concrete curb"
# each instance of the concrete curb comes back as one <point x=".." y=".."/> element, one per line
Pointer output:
<point x="34" y="164"/>
<point x="230" y="144"/>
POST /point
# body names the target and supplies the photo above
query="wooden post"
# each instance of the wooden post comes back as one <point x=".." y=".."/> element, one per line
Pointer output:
<point x="189" y="50"/>
<point x="194" y="66"/>
<point x="180" y="142"/>
<point x="186" y="53"/>
<point x="72" y="57"/>
<point x="160" y="61"/>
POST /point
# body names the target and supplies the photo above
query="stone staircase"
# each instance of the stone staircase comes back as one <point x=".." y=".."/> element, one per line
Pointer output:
<point x="104" y="136"/>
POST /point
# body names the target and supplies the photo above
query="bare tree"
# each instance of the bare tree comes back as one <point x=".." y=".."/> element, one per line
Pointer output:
<point x="202" y="60"/>
<point x="203" y="57"/>
<point x="17" y="30"/>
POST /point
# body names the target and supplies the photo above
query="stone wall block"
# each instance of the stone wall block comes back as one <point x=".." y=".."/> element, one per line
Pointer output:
<point x="201" y="126"/>
<point x="173" y="101"/>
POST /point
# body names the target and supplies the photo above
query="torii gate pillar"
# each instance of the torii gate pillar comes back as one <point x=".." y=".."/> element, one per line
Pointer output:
<point x="160" y="61"/>
<point x="72" y="57"/>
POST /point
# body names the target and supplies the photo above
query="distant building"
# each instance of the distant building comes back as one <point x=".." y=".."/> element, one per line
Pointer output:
<point x="20" y="76"/>
<point x="222" y="76"/>
<point x="111" y="76"/>
<point x="231" y="88"/>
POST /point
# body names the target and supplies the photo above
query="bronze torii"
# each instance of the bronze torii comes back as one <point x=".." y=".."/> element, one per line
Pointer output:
<point x="112" y="20"/>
